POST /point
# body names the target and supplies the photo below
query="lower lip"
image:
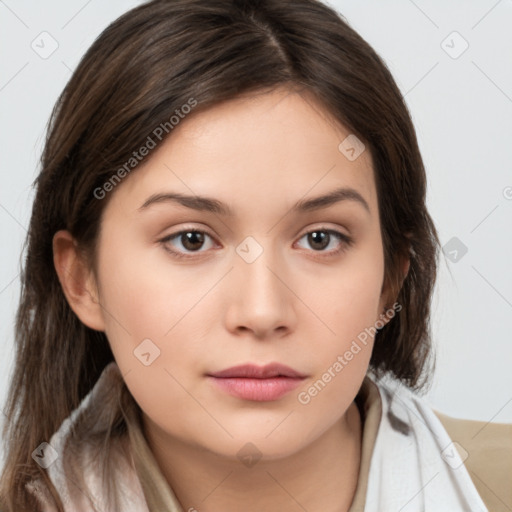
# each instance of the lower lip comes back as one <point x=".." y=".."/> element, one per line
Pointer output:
<point x="260" y="390"/>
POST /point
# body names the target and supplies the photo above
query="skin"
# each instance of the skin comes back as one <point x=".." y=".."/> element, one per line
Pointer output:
<point x="296" y="303"/>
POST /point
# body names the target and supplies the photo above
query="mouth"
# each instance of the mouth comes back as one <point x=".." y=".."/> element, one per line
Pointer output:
<point x="260" y="384"/>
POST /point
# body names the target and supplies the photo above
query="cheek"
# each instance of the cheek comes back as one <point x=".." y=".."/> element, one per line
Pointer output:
<point x="167" y="399"/>
<point x="347" y="298"/>
<point x="143" y="296"/>
<point x="150" y="313"/>
<point x="342" y="355"/>
<point x="349" y="308"/>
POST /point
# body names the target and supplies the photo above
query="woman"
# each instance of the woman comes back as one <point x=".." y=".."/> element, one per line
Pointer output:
<point x="227" y="288"/>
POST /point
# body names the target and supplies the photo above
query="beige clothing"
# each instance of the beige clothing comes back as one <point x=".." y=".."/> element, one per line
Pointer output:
<point x="488" y="446"/>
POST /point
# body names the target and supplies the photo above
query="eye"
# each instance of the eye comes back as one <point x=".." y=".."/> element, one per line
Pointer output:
<point x="189" y="239"/>
<point x="321" y="238"/>
<point x="184" y="243"/>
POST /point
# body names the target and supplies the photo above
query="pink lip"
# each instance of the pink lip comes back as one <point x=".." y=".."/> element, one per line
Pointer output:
<point x="261" y="384"/>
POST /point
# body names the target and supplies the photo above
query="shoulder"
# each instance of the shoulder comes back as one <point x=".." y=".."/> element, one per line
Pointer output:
<point x="486" y="449"/>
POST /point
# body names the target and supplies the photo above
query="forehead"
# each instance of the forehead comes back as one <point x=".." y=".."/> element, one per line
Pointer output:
<point x="255" y="151"/>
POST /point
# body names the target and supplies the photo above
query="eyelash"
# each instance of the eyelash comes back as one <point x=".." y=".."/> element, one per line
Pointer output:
<point x="345" y="239"/>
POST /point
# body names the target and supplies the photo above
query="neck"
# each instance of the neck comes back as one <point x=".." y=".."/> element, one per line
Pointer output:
<point x="322" y="476"/>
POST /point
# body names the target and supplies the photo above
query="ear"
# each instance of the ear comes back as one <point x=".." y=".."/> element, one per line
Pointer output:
<point x="406" y="264"/>
<point x="388" y="295"/>
<point x="77" y="281"/>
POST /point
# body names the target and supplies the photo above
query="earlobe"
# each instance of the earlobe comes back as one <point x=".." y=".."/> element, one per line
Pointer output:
<point x="77" y="281"/>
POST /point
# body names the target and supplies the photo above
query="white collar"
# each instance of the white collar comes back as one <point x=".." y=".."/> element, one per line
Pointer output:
<point x="415" y="466"/>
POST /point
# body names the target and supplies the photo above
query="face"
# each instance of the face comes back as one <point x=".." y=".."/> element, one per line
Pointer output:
<point x="190" y="288"/>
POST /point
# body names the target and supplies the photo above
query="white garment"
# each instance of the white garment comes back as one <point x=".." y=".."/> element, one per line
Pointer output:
<point x="415" y="466"/>
<point x="103" y="397"/>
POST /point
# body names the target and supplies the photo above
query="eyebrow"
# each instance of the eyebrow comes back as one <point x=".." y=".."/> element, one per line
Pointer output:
<point x="209" y="204"/>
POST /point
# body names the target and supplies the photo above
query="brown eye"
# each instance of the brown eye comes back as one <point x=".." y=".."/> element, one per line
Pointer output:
<point x="319" y="240"/>
<point x="322" y="238"/>
<point x="192" y="240"/>
<point x="186" y="241"/>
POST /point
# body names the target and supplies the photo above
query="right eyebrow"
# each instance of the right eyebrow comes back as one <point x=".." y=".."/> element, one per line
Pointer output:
<point x="199" y="203"/>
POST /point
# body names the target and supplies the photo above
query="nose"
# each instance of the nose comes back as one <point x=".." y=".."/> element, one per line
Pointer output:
<point x="261" y="301"/>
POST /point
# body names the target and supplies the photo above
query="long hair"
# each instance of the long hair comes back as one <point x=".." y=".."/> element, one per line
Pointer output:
<point x="142" y="68"/>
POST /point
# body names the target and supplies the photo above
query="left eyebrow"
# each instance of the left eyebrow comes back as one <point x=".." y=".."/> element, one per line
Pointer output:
<point x="324" y="201"/>
<point x="208" y="204"/>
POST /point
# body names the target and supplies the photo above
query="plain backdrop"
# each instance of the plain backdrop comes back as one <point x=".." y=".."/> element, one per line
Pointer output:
<point x="453" y="64"/>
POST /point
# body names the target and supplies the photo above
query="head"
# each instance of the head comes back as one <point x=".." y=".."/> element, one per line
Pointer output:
<point x="225" y="101"/>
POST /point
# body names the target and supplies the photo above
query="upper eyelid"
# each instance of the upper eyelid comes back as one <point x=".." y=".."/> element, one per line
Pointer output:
<point x="207" y="232"/>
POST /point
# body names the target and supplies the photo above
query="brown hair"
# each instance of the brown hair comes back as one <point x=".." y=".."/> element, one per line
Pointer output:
<point x="143" y="67"/>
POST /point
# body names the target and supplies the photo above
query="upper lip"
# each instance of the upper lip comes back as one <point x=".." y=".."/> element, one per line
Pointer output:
<point x="258" y="372"/>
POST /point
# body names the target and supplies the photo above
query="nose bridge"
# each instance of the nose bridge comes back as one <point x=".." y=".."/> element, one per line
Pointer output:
<point x="262" y="301"/>
<point x="257" y="268"/>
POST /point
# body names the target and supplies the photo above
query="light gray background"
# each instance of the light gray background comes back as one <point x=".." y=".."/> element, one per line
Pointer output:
<point x="462" y="110"/>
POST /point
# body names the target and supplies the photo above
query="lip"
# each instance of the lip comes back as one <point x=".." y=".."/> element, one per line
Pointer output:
<point x="257" y="383"/>
<point x="258" y="372"/>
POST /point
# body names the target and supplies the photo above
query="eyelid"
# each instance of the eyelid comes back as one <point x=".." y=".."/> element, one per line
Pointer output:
<point x="323" y="227"/>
